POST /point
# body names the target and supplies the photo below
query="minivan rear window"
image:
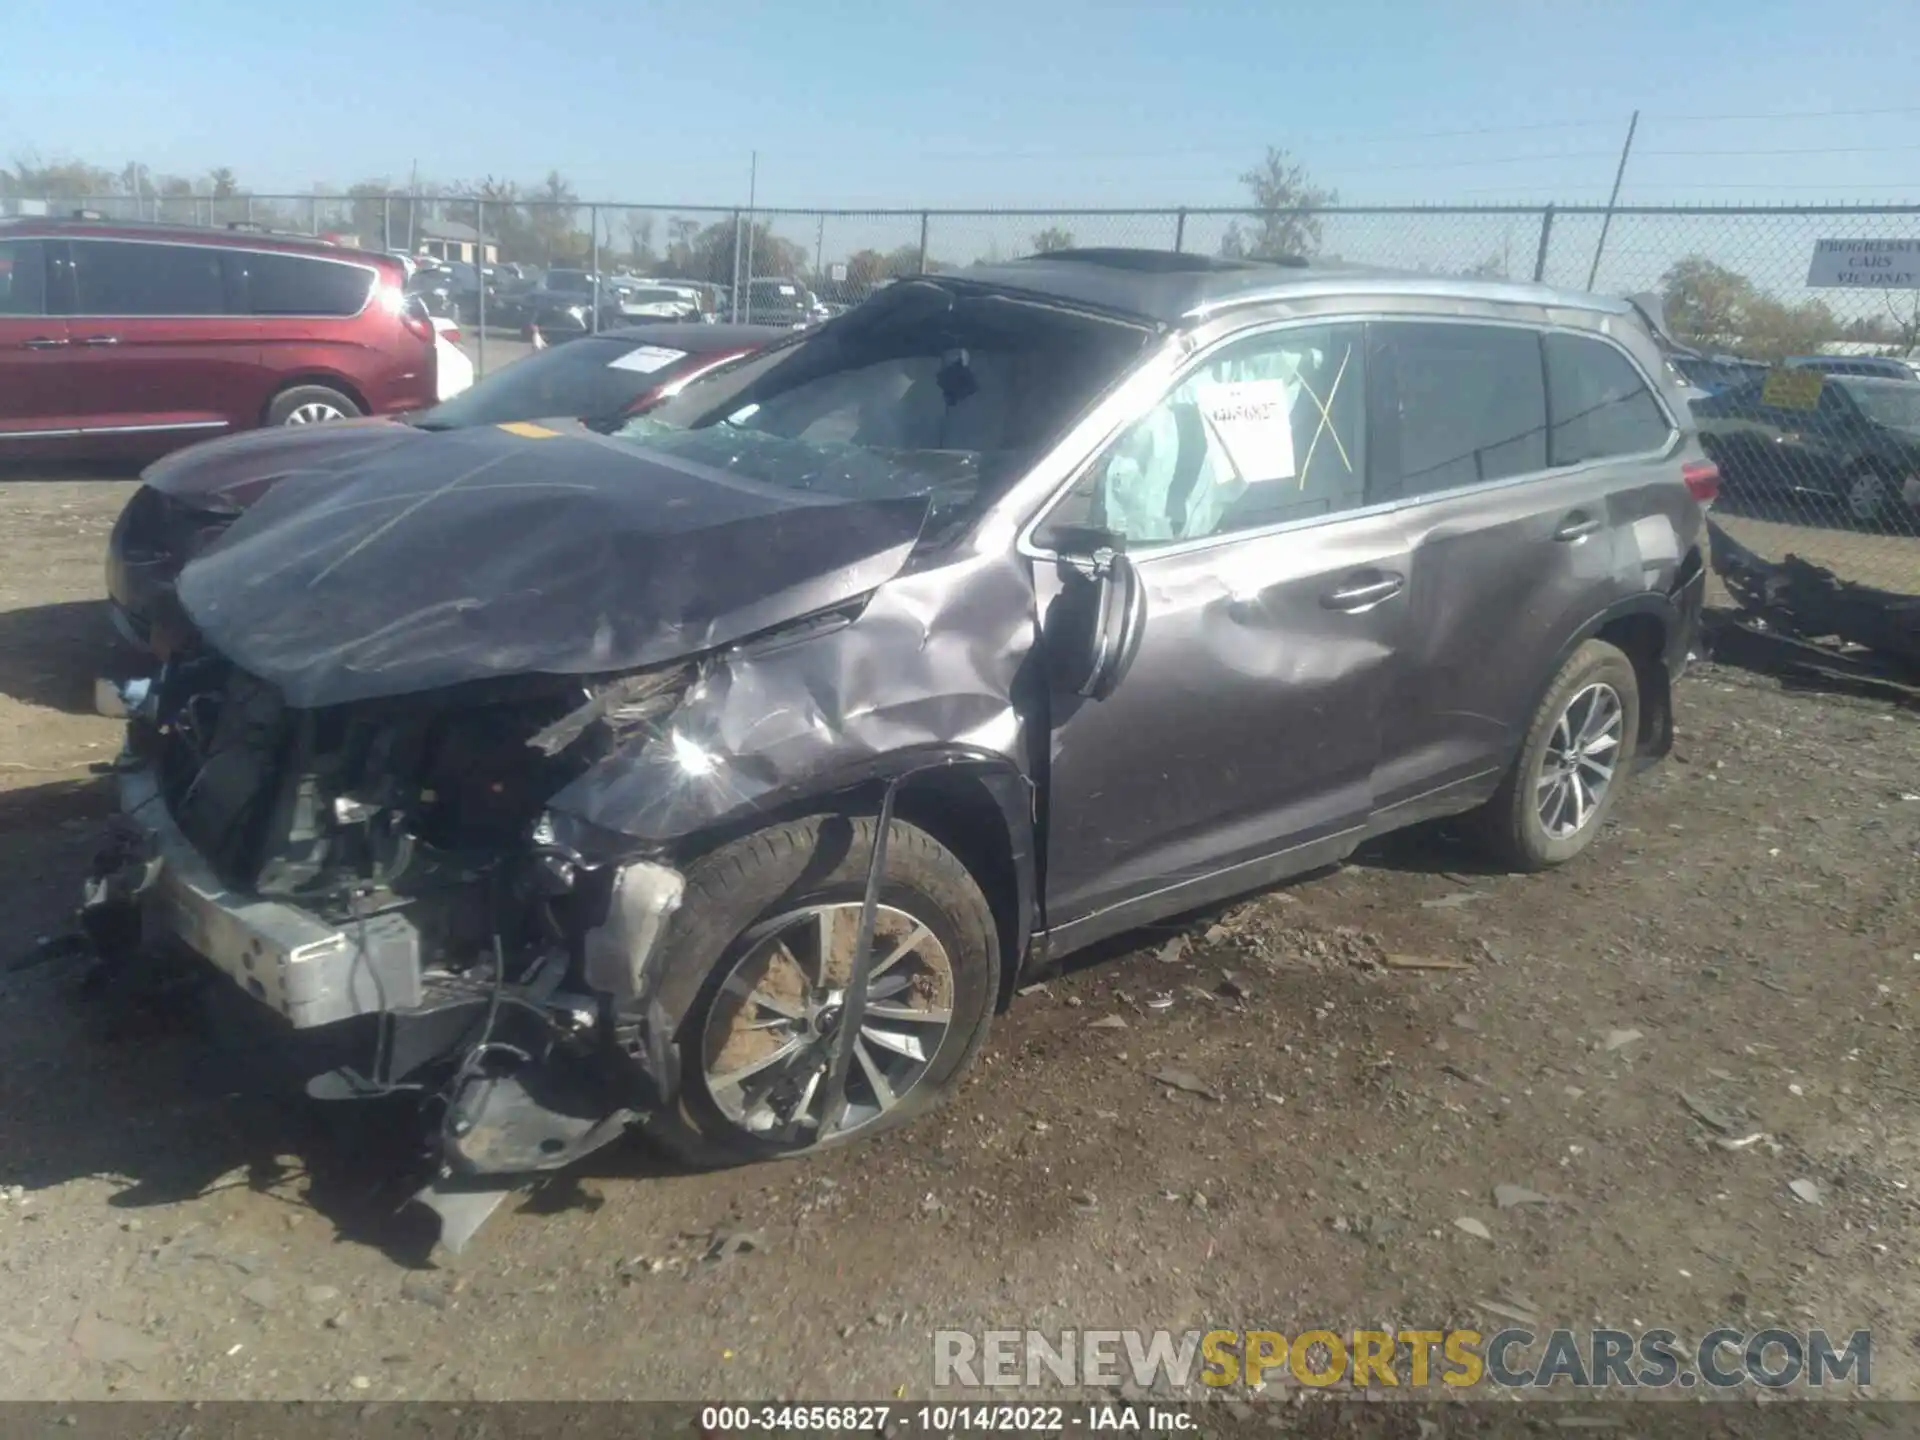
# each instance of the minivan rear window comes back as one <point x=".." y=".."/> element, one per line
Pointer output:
<point x="299" y="284"/>
<point x="1598" y="402"/>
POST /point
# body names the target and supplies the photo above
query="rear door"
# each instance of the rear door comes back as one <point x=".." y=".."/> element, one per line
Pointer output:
<point x="33" y="349"/>
<point x="1517" y="535"/>
<point x="154" y="346"/>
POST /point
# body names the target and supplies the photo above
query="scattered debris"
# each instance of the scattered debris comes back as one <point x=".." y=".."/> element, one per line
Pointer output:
<point x="261" y="1294"/>
<point x="425" y="1288"/>
<point x="1085" y="1200"/>
<point x="1174" y="950"/>
<point x="1162" y="1001"/>
<point x="1189" y="1082"/>
<point x="1464" y="1021"/>
<point x="1454" y="901"/>
<point x="1232" y="987"/>
<point x="1620" y="1039"/>
<point x="1107" y="1022"/>
<point x="1706" y="1114"/>
<point x="1424" y="962"/>
<point x="1756" y="1138"/>
<point x="1036" y="989"/>
<point x="1807" y="1192"/>
<point x="1508" y="1196"/>
<point x="1473" y="1227"/>
<point x="727" y="1243"/>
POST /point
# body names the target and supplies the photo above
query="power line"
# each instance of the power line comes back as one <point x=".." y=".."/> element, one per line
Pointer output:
<point x="1803" y="150"/>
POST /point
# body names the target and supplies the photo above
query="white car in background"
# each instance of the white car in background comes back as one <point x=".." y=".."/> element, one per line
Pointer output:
<point x="454" y="369"/>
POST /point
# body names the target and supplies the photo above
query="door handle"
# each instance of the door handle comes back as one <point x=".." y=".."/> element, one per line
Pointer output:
<point x="1576" y="526"/>
<point x="101" y="340"/>
<point x="1366" y="593"/>
<point x="43" y="342"/>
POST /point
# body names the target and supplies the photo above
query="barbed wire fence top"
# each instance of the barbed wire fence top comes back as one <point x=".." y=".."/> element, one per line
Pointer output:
<point x="1733" y="280"/>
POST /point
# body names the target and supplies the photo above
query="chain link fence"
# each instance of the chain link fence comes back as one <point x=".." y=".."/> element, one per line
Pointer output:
<point x="1824" y="466"/>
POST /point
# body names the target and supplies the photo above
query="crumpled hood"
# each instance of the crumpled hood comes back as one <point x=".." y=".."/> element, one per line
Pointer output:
<point x="231" y="473"/>
<point x="508" y="550"/>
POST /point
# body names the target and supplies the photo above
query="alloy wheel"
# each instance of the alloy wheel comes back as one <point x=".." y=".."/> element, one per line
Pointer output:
<point x="1866" y="495"/>
<point x="314" y="412"/>
<point x="1576" y="769"/>
<point x="768" y="1040"/>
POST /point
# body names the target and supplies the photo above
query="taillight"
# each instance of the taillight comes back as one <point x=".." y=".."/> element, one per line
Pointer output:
<point x="451" y="335"/>
<point x="1703" y="480"/>
<point x="413" y="315"/>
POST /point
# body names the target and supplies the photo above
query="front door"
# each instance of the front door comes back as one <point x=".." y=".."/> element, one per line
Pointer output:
<point x="1241" y="742"/>
<point x="33" y="352"/>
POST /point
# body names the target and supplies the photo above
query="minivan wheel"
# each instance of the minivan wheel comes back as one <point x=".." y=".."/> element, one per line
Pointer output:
<point x="309" y="405"/>
<point x="766" y="932"/>
<point x="1572" y="764"/>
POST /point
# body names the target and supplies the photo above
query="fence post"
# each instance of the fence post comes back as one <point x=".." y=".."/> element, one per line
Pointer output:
<point x="1180" y="230"/>
<point x="1546" y="237"/>
<point x="923" y="242"/>
<point x="733" y="305"/>
<point x="593" y="224"/>
<point x="480" y="305"/>
<point x="313" y="214"/>
<point x="386" y="220"/>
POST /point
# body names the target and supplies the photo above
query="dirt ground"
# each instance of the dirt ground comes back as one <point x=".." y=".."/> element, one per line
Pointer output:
<point x="1737" y="955"/>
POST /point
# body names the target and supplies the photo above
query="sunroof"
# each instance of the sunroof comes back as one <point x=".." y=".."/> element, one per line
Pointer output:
<point x="1158" y="262"/>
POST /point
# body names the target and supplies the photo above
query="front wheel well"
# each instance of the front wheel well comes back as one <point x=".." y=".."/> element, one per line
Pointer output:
<point x="957" y="809"/>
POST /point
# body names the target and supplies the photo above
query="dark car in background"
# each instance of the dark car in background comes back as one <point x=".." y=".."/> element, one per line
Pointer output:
<point x="1887" y="367"/>
<point x="132" y="339"/>
<point x="188" y="499"/>
<point x="775" y="300"/>
<point x="1845" y="448"/>
<point x="723" y="773"/>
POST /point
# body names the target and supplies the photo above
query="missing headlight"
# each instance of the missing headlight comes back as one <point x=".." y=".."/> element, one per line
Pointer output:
<point x="624" y="704"/>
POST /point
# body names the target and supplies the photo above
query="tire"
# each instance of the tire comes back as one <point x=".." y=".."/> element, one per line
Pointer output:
<point x="1511" y="825"/>
<point x="307" y="404"/>
<point x="745" y="894"/>
<point x="1866" y="496"/>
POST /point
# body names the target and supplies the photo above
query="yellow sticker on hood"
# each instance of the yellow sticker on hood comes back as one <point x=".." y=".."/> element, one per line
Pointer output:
<point x="527" y="431"/>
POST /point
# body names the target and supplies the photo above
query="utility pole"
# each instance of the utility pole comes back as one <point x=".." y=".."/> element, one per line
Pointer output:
<point x="1606" y="224"/>
<point x="753" y="182"/>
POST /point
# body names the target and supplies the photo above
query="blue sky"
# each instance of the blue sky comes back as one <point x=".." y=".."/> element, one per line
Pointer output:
<point x="992" y="102"/>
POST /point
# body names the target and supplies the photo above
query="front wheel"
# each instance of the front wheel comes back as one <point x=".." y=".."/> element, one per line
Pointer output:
<point x="1570" y="768"/>
<point x="765" y="938"/>
<point x="1867" y="497"/>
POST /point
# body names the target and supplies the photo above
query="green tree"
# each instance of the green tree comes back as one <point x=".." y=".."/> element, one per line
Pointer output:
<point x="1286" y="201"/>
<point x="1053" y="238"/>
<point x="1706" y="303"/>
<point x="69" y="180"/>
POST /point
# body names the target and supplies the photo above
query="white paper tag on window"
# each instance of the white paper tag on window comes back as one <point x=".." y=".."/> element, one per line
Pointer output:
<point x="1253" y="421"/>
<point x="647" y="359"/>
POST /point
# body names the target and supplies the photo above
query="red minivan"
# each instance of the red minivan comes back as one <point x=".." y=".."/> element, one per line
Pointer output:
<point x="130" y="340"/>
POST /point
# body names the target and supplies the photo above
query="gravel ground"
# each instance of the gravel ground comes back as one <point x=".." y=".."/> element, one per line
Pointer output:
<point x="1738" y="955"/>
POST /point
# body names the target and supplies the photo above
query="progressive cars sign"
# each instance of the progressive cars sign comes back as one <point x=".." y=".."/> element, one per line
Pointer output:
<point x="1877" y="264"/>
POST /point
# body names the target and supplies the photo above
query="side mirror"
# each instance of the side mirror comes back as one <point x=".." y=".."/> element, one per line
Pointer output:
<point x="1094" y="625"/>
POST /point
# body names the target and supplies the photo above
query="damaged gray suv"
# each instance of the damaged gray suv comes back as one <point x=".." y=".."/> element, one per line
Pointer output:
<point x="722" y="775"/>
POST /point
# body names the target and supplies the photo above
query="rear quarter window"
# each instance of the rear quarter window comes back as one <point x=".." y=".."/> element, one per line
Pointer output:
<point x="1598" y="403"/>
<point x="299" y="285"/>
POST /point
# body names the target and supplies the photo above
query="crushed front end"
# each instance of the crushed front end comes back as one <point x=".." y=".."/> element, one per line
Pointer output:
<point x="384" y="874"/>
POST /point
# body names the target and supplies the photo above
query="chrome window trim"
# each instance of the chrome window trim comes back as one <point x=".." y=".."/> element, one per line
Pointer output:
<point x="112" y="429"/>
<point x="373" y="285"/>
<point x="1187" y="359"/>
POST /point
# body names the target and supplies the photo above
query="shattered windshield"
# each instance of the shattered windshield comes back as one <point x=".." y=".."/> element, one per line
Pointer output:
<point x="934" y="389"/>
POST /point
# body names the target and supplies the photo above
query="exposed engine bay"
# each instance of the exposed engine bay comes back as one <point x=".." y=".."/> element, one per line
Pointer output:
<point x="387" y="868"/>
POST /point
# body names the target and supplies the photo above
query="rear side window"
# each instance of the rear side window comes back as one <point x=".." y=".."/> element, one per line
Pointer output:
<point x="299" y="285"/>
<point x="23" y="278"/>
<point x="1598" y="402"/>
<point x="1454" y="405"/>
<point x="121" y="277"/>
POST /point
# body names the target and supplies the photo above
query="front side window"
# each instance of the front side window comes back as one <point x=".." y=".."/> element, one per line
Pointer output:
<point x="1269" y="429"/>
<point x="23" y="278"/>
<point x="1599" y="405"/>
<point x="1887" y="402"/>
<point x="1458" y="404"/>
<point x="119" y="277"/>
<point x="297" y="285"/>
<point x="944" y="390"/>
